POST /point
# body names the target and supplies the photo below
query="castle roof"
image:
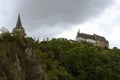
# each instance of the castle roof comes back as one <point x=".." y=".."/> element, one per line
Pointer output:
<point x="85" y="36"/>
<point x="93" y="37"/>
<point x="19" y="23"/>
<point x="97" y="37"/>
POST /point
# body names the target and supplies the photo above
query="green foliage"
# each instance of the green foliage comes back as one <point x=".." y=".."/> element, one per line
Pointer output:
<point x="79" y="61"/>
<point x="6" y="37"/>
<point x="62" y="59"/>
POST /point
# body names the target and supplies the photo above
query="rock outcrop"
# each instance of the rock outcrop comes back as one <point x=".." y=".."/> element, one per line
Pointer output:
<point x="18" y="62"/>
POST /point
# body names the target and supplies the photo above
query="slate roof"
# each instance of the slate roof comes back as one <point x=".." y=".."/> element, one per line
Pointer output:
<point x="93" y="37"/>
<point x="97" y="37"/>
<point x="19" y="23"/>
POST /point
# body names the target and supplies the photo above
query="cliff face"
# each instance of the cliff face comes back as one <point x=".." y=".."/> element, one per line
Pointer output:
<point x="17" y="62"/>
<point x="56" y="59"/>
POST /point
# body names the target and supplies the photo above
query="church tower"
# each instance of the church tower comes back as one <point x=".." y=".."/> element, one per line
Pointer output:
<point x="19" y="30"/>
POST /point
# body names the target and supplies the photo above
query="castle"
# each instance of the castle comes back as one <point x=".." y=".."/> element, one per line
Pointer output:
<point x="94" y="39"/>
<point x="81" y="37"/>
<point x="19" y="30"/>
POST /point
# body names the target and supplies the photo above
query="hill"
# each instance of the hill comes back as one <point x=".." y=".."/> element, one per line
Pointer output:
<point x="22" y="58"/>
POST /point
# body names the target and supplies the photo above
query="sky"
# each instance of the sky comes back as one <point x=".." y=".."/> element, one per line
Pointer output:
<point x="63" y="18"/>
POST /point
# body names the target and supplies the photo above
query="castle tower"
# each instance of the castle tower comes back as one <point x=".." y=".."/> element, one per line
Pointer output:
<point x="78" y="30"/>
<point x="78" y="33"/>
<point x="19" y="30"/>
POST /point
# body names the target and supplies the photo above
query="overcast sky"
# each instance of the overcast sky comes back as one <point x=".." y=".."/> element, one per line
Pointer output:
<point x="62" y="18"/>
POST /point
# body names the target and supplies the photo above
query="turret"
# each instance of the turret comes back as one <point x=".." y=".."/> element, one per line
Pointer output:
<point x="19" y="30"/>
<point x="19" y="23"/>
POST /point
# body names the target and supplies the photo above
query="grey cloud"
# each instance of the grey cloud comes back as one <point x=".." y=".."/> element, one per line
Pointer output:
<point x="46" y="14"/>
<point x="52" y="12"/>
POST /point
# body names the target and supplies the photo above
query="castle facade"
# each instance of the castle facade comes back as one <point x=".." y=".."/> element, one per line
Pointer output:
<point x="94" y="39"/>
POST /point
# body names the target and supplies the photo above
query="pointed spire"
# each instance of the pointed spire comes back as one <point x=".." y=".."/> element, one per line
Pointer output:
<point x="78" y="30"/>
<point x="19" y="24"/>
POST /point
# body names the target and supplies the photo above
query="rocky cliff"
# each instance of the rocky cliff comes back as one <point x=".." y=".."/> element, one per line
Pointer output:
<point x="18" y="62"/>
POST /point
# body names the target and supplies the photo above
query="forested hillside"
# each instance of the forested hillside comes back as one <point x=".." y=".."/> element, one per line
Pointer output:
<point x="57" y="59"/>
